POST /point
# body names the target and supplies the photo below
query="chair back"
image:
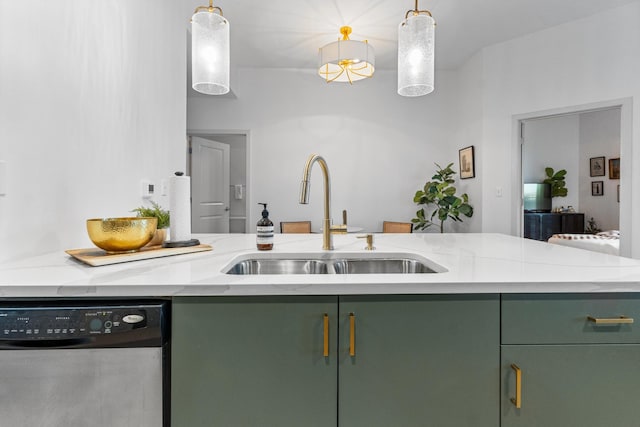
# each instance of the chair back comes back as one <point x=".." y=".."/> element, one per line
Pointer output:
<point x="300" y="227"/>
<point x="397" y="227"/>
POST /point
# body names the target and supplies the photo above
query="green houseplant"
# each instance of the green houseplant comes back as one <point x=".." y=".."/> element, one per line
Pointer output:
<point x="440" y="193"/>
<point x="155" y="211"/>
<point x="557" y="181"/>
<point x="163" y="221"/>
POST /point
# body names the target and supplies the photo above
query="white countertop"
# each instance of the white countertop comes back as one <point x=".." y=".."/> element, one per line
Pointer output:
<point x="474" y="263"/>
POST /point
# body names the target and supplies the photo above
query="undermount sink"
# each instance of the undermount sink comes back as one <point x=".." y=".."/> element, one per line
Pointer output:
<point x="333" y="264"/>
<point x="380" y="266"/>
<point x="279" y="266"/>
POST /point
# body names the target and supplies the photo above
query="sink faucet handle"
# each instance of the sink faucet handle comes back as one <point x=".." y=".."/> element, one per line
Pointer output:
<point x="338" y="229"/>
<point x="369" y="238"/>
<point x="342" y="228"/>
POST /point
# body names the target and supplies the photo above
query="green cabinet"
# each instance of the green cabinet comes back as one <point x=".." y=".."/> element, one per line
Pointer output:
<point x="419" y="361"/>
<point x="572" y="385"/>
<point x="255" y="361"/>
<point x="406" y="360"/>
<point x="578" y="358"/>
<point x="260" y="361"/>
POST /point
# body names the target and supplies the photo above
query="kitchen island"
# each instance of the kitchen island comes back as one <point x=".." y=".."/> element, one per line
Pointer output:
<point x="507" y="332"/>
<point x="473" y="263"/>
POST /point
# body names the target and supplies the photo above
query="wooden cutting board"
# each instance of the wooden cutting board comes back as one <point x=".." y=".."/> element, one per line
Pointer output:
<point x="97" y="257"/>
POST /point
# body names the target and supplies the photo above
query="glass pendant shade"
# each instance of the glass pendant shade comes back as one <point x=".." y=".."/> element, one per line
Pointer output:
<point x="210" y="53"/>
<point x="416" y="40"/>
<point x="346" y="60"/>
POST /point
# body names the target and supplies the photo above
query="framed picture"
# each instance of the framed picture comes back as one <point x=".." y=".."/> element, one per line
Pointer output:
<point x="614" y="168"/>
<point x="596" y="166"/>
<point x="597" y="188"/>
<point x="467" y="163"/>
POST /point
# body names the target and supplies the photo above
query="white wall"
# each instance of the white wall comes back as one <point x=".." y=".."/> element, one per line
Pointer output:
<point x="380" y="147"/>
<point x="553" y="142"/>
<point x="92" y="100"/>
<point x="467" y="130"/>
<point x="600" y="136"/>
<point x="587" y="61"/>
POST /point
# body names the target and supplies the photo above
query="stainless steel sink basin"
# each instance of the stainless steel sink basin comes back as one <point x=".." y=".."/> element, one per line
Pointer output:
<point x="333" y="264"/>
<point x="279" y="266"/>
<point x="380" y="266"/>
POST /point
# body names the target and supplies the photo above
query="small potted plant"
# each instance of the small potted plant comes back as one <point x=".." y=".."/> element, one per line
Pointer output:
<point x="163" y="221"/>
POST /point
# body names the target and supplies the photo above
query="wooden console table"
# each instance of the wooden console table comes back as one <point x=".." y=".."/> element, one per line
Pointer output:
<point x="541" y="226"/>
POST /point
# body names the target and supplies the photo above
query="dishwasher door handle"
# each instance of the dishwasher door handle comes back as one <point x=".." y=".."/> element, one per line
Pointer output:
<point x="45" y="343"/>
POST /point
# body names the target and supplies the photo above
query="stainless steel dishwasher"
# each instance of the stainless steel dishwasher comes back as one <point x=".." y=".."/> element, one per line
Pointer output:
<point x="78" y="364"/>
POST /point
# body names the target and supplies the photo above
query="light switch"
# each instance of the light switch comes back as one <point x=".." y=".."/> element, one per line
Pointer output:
<point x="238" y="192"/>
<point x="164" y="187"/>
<point x="3" y="178"/>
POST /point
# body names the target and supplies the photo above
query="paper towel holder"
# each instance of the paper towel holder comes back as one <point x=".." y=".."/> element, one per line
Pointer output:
<point x="180" y="243"/>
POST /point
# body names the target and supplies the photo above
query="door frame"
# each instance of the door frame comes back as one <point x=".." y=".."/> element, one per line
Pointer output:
<point x="626" y="160"/>
<point x="212" y="133"/>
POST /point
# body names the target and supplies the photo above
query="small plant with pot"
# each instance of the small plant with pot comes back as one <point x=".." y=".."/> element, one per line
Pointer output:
<point x="441" y="194"/>
<point x="164" y="219"/>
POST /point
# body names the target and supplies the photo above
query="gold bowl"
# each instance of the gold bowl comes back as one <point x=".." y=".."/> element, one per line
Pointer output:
<point x="121" y="235"/>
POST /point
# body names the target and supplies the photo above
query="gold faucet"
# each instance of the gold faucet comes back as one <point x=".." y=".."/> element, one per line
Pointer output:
<point x="327" y="228"/>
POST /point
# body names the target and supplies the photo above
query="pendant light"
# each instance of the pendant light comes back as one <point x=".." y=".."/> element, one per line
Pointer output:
<point x="416" y="44"/>
<point x="209" y="50"/>
<point x="346" y="60"/>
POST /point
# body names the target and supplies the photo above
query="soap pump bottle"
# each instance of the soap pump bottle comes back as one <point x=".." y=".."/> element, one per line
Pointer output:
<point x="264" y="231"/>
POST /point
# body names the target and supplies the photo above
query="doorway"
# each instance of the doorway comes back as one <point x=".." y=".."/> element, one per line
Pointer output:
<point x="234" y="183"/>
<point x="572" y="139"/>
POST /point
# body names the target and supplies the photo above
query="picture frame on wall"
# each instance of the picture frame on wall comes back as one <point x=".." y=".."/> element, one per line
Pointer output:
<point x="467" y="162"/>
<point x="597" y="188"/>
<point x="596" y="166"/>
<point x="614" y="168"/>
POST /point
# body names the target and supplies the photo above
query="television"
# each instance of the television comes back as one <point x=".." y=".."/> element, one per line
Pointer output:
<point x="537" y="197"/>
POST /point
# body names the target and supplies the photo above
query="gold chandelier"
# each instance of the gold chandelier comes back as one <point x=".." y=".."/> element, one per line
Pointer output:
<point x="346" y="60"/>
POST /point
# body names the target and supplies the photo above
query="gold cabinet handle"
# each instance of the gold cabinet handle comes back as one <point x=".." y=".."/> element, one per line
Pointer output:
<point x="610" y="321"/>
<point x="517" y="401"/>
<point x="325" y="352"/>
<point x="352" y="334"/>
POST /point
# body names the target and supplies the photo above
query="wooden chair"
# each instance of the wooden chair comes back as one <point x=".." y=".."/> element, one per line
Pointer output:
<point x="397" y="227"/>
<point x="300" y="227"/>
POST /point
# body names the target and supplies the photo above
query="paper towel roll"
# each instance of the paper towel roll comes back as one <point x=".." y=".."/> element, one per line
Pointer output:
<point x="180" y="207"/>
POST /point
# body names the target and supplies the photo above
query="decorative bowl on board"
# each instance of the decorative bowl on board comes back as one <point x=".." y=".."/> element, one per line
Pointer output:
<point x="121" y="235"/>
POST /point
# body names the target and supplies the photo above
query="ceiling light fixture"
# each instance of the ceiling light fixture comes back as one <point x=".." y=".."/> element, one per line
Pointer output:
<point x="346" y="60"/>
<point x="416" y="46"/>
<point x="209" y="50"/>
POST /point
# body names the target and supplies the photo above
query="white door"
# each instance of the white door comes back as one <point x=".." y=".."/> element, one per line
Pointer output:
<point x="209" y="186"/>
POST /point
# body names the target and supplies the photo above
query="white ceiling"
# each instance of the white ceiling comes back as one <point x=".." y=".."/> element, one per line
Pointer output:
<point x="288" y="33"/>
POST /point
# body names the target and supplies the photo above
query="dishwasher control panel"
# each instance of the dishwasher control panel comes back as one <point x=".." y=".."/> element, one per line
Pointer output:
<point x="75" y="323"/>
